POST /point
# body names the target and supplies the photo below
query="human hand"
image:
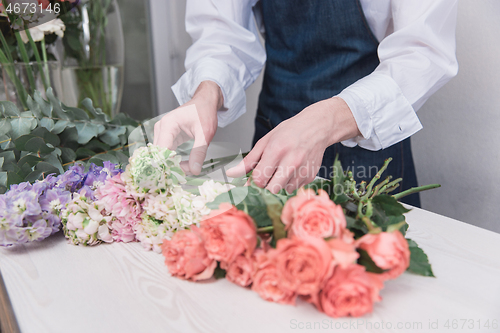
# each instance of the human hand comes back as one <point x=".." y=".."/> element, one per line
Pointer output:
<point x="291" y="154"/>
<point x="197" y="119"/>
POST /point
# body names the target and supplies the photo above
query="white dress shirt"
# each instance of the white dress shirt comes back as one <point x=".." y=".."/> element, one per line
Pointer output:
<point x="416" y="52"/>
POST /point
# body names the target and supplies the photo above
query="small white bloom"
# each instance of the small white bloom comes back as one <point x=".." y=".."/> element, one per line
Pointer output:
<point x="38" y="32"/>
<point x="92" y="227"/>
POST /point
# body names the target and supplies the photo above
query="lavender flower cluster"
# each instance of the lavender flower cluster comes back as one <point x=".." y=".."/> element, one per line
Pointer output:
<point x="32" y="212"/>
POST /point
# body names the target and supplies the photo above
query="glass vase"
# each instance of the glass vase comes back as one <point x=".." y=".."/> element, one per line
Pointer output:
<point x="20" y="79"/>
<point x="93" y="56"/>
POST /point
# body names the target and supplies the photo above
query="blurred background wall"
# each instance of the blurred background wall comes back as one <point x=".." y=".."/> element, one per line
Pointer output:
<point x="457" y="148"/>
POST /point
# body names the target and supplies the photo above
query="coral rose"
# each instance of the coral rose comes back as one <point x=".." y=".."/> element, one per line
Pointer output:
<point x="266" y="283"/>
<point x="303" y="264"/>
<point x="388" y="250"/>
<point x="240" y="271"/>
<point x="228" y="232"/>
<point x="313" y="215"/>
<point x="186" y="257"/>
<point x="343" y="253"/>
<point x="350" y="291"/>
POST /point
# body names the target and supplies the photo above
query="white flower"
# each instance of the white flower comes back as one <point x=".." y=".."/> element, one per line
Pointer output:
<point x="210" y="189"/>
<point x="38" y="32"/>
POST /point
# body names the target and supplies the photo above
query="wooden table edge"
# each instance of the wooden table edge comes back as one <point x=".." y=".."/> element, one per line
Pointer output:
<point x="8" y="322"/>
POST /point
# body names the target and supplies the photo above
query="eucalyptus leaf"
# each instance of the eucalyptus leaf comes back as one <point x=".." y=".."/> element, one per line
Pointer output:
<point x="57" y="107"/>
<point x="20" y="126"/>
<point x="84" y="153"/>
<point x="5" y="126"/>
<point x="45" y="106"/>
<point x="67" y="155"/>
<point x="111" y="136"/>
<point x="53" y="160"/>
<point x="100" y="158"/>
<point x="6" y="142"/>
<point x="34" y="107"/>
<point x="30" y="159"/>
<point x="48" y="137"/>
<point x="3" y="179"/>
<point x="38" y="146"/>
<point x="97" y="146"/>
<point x="48" y="124"/>
<point x="86" y="132"/>
<point x="60" y="126"/>
<point x="9" y="109"/>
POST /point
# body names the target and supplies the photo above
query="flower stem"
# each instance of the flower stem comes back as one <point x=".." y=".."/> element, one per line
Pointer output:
<point x="24" y="56"/>
<point x="44" y="57"/>
<point x="415" y="190"/>
<point x="376" y="178"/>
<point x="265" y="229"/>
<point x="37" y="57"/>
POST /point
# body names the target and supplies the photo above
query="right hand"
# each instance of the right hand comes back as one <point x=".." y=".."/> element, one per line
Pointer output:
<point x="197" y="119"/>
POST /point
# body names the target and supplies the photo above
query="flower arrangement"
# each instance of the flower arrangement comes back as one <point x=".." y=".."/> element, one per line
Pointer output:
<point x="333" y="243"/>
<point x="334" y="249"/>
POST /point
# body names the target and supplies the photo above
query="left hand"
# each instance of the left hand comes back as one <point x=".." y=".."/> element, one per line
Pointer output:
<point x="291" y="154"/>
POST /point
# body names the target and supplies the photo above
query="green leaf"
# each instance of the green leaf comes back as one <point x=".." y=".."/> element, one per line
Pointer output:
<point x="219" y="273"/>
<point x="31" y="160"/>
<point x="100" y="158"/>
<point x="6" y="142"/>
<point x="248" y="199"/>
<point x="60" y="126"/>
<point x="38" y="146"/>
<point x="365" y="260"/>
<point x="48" y="124"/>
<point x="357" y="226"/>
<point x="83" y="153"/>
<point x="99" y="116"/>
<point x="45" y="106"/>
<point x="41" y="168"/>
<point x="48" y="137"/>
<point x="34" y="107"/>
<point x="3" y="180"/>
<point x="57" y="107"/>
<point x="9" y="109"/>
<point x="69" y="138"/>
<point x="419" y="262"/>
<point x="274" y="209"/>
<point x="53" y="160"/>
<point x="97" y="146"/>
<point x="78" y="114"/>
<point x="5" y="126"/>
<point x="13" y="178"/>
<point x="111" y="136"/>
<point x="68" y="155"/>
<point x="20" y="126"/>
<point x="21" y="141"/>
<point x="389" y="205"/>
<point x="86" y="132"/>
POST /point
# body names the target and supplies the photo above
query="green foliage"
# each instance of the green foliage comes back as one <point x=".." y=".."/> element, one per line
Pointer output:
<point x="50" y="136"/>
<point x="419" y="262"/>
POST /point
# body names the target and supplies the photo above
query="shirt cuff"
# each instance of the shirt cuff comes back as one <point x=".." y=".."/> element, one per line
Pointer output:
<point x="383" y="114"/>
<point x="209" y="69"/>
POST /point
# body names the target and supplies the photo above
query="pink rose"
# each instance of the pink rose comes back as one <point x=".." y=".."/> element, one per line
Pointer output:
<point x="350" y="291"/>
<point x="303" y="264"/>
<point x="186" y="257"/>
<point x="240" y="271"/>
<point x="344" y="254"/>
<point x="388" y="250"/>
<point x="228" y="232"/>
<point x="313" y="215"/>
<point x="266" y="282"/>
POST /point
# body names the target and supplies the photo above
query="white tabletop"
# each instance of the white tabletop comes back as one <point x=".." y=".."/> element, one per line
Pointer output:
<point x="57" y="287"/>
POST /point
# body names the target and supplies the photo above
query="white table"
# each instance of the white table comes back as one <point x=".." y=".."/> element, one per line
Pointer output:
<point x="57" y="287"/>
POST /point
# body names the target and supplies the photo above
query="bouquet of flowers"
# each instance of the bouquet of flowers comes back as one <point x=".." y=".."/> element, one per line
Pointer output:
<point x="144" y="202"/>
<point x="334" y="249"/>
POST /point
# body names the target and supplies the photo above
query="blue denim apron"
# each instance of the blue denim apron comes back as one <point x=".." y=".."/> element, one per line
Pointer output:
<point x="315" y="49"/>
